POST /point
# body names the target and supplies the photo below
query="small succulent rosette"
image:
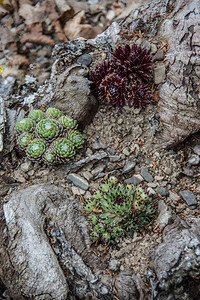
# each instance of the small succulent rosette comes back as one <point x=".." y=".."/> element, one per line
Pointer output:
<point x="116" y="209"/>
<point x="48" y="136"/>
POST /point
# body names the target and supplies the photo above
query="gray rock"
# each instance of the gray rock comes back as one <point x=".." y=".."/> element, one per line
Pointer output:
<point x="176" y="258"/>
<point x="78" y="181"/>
<point x="99" y="145"/>
<point x="84" y="59"/>
<point x="146" y="175"/>
<point x="194" y="159"/>
<point x="158" y="56"/>
<point x="7" y="86"/>
<point x="189" y="198"/>
<point x="114" y="265"/>
<point x="173" y="197"/>
<point x="159" y="74"/>
<point x="4" y="188"/>
<point x="164" y="216"/>
<point x="135" y="180"/>
<point x="90" y="159"/>
<point x="163" y="191"/>
<point x="197" y="149"/>
<point x="129" y="166"/>
<point x="114" y="158"/>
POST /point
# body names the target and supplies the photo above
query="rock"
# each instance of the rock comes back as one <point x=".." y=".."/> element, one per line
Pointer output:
<point x="120" y="121"/>
<point x="196" y="149"/>
<point x="47" y="223"/>
<point x="126" y="152"/>
<point x="194" y="159"/>
<point x="164" y="216"/>
<point x="175" y="259"/>
<point x="114" y="265"/>
<point x="189" y="198"/>
<point x="98" y="170"/>
<point x="163" y="191"/>
<point x="167" y="171"/>
<point x="77" y="191"/>
<point x="70" y="92"/>
<point x="87" y="175"/>
<point x="99" y="145"/>
<point x="114" y="158"/>
<point x="173" y="197"/>
<point x="135" y="180"/>
<point x="84" y="60"/>
<point x="146" y="175"/>
<point x="19" y="176"/>
<point x="25" y="167"/>
<point x="78" y="181"/>
<point x="178" y="105"/>
<point x="153" y="48"/>
<point x="129" y="166"/>
<point x="158" y="56"/>
<point x="159" y="74"/>
<point x="90" y="159"/>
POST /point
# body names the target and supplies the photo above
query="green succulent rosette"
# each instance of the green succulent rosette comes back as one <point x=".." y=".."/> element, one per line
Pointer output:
<point x="25" y="125"/>
<point x="63" y="148"/>
<point x="24" y="140"/>
<point x="53" y="113"/>
<point x="48" y="129"/>
<point x="76" y="138"/>
<point x="117" y="208"/>
<point x="36" y="115"/>
<point x="36" y="149"/>
<point x="68" y="122"/>
<point x="49" y="156"/>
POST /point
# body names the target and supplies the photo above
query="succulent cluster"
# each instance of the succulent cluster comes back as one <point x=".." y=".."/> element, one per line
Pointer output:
<point x="124" y="78"/>
<point x="116" y="209"/>
<point x="49" y="136"/>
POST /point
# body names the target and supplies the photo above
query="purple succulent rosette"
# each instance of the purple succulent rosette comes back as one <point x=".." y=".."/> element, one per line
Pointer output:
<point x="125" y="78"/>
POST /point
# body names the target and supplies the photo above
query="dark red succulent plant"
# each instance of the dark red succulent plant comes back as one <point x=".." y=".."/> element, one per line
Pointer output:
<point x="123" y="79"/>
<point x="139" y="94"/>
<point x="112" y="90"/>
<point x="132" y="62"/>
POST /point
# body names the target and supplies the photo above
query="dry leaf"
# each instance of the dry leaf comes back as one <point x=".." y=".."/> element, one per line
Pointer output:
<point x="75" y="28"/>
<point x="32" y="14"/>
<point x="36" y="36"/>
<point x="60" y="33"/>
<point x="17" y="61"/>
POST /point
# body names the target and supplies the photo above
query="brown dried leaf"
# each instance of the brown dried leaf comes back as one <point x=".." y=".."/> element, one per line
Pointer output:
<point x="75" y="27"/>
<point x="60" y="33"/>
<point x="36" y="36"/>
<point x="32" y="14"/>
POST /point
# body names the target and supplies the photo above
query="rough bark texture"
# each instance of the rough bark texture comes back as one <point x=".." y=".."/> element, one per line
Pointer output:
<point x="176" y="262"/>
<point x="176" y="22"/>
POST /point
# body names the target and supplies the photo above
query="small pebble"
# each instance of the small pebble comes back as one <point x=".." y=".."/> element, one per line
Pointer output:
<point x="135" y="180"/>
<point x="114" y="265"/>
<point x="99" y="145"/>
<point x="189" y="198"/>
<point x="167" y="171"/>
<point x="120" y="121"/>
<point x="159" y="74"/>
<point x="146" y="175"/>
<point x="197" y="149"/>
<point x="173" y="196"/>
<point x="78" y="181"/>
<point x="126" y="152"/>
<point x="129" y="166"/>
<point x="84" y="59"/>
<point x="163" y="191"/>
<point x="114" y="158"/>
<point x="194" y="160"/>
